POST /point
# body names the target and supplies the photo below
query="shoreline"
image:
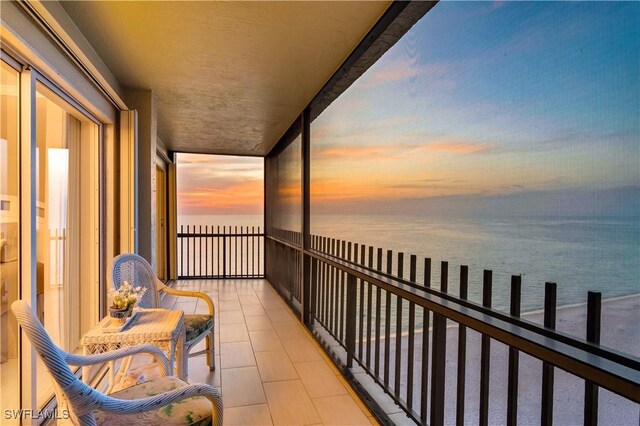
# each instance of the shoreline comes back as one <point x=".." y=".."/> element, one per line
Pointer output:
<point x="537" y="312"/>
<point x="620" y="332"/>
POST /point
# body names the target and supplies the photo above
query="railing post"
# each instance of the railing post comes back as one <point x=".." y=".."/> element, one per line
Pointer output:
<point x="593" y="336"/>
<point x="350" y="333"/>
<point x="224" y="253"/>
<point x="514" y="356"/>
<point x="424" y="385"/>
<point x="313" y="294"/>
<point x="398" y="356"/>
<point x="462" y="350"/>
<point x="550" y="296"/>
<point x="439" y="357"/>
<point x="485" y="353"/>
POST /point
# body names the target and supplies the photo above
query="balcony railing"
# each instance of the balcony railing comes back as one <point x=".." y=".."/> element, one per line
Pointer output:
<point x="220" y="252"/>
<point x="376" y="319"/>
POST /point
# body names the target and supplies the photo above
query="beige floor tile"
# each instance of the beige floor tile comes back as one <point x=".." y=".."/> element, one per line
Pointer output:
<point x="191" y="285"/>
<point x="199" y="371"/>
<point x="189" y="307"/>
<point x="265" y="341"/>
<point x="289" y="403"/>
<point x="355" y="397"/>
<point x="301" y="350"/>
<point x="331" y="365"/>
<point x="228" y="296"/>
<point x="289" y="330"/>
<point x="275" y="366"/>
<point x="231" y="317"/>
<point x="258" y="323"/>
<point x="340" y="410"/>
<point x="212" y="293"/>
<point x="237" y="354"/>
<point x="245" y="290"/>
<point x="257" y="415"/>
<point x="266" y="293"/>
<point x="202" y="343"/>
<point x="280" y="315"/>
<point x="233" y="333"/>
<point x="250" y="300"/>
<point x="202" y="307"/>
<point x="260" y="344"/>
<point x="242" y="386"/>
<point x="252" y="310"/>
<point x="319" y="380"/>
<point x="272" y="302"/>
<point x="229" y="305"/>
<point x="168" y="301"/>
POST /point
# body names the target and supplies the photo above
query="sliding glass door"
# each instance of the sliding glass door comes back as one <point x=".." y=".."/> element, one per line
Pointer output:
<point x="66" y="223"/>
<point x="49" y="226"/>
<point x="9" y="234"/>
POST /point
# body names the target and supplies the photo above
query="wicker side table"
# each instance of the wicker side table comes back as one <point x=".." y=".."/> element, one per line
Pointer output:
<point x="160" y="327"/>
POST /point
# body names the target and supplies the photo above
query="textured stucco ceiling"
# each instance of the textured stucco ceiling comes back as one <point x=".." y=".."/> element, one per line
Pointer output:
<point x="229" y="77"/>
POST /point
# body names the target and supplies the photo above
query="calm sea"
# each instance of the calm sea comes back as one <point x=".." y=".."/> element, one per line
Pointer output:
<point x="579" y="254"/>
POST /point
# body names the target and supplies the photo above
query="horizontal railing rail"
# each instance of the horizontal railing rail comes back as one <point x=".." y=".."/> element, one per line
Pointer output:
<point x="220" y="252"/>
<point x="396" y="330"/>
<point x="617" y="372"/>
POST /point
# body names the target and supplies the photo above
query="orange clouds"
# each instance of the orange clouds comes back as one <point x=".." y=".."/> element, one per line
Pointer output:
<point x="407" y="68"/>
<point x="209" y="184"/>
<point x="398" y="73"/>
<point x="361" y="152"/>
<point x="457" y="147"/>
<point x="397" y="150"/>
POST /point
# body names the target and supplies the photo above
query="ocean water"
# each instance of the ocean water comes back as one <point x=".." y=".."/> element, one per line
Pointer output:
<point x="580" y="254"/>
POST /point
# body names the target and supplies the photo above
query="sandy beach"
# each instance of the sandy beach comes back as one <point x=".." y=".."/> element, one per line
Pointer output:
<point x="620" y="331"/>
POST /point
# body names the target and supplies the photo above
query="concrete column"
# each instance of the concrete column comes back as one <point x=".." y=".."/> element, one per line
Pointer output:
<point x="144" y="102"/>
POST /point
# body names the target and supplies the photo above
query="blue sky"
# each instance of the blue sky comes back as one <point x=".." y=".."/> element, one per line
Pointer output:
<point x="483" y="98"/>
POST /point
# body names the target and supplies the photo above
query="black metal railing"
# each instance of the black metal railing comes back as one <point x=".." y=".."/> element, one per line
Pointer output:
<point x="361" y="305"/>
<point x="283" y="270"/>
<point x="220" y="252"/>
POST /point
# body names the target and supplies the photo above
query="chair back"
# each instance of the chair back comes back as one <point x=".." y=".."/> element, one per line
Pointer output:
<point x="71" y="393"/>
<point x="136" y="271"/>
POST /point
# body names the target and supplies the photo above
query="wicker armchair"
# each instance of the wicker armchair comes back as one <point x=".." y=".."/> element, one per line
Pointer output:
<point x="137" y="271"/>
<point x="149" y="403"/>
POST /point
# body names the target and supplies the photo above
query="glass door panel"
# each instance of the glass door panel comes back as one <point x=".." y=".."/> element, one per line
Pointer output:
<point x="66" y="224"/>
<point x="9" y="235"/>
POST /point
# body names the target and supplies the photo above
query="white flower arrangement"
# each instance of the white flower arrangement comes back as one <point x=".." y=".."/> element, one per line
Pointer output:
<point x="127" y="296"/>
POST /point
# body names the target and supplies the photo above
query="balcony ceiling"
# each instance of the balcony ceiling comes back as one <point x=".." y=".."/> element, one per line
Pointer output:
<point x="229" y="77"/>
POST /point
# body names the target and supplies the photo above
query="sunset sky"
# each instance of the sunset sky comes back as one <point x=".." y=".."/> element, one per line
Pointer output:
<point x="478" y="100"/>
<point x="214" y="184"/>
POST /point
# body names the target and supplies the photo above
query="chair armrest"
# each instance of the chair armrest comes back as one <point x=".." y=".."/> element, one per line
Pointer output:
<point x="185" y="293"/>
<point x="86" y="360"/>
<point x="135" y="406"/>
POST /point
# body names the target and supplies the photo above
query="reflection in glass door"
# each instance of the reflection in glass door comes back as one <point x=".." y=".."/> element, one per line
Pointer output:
<point x="9" y="235"/>
<point x="66" y="223"/>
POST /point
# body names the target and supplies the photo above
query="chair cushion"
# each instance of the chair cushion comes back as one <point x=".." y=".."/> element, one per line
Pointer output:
<point x="194" y="411"/>
<point x="197" y="324"/>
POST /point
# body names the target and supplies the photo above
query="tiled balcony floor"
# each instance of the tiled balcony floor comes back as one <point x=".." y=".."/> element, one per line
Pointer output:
<point x="269" y="368"/>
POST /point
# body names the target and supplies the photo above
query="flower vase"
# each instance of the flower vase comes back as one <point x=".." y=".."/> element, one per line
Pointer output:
<point x="119" y="315"/>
